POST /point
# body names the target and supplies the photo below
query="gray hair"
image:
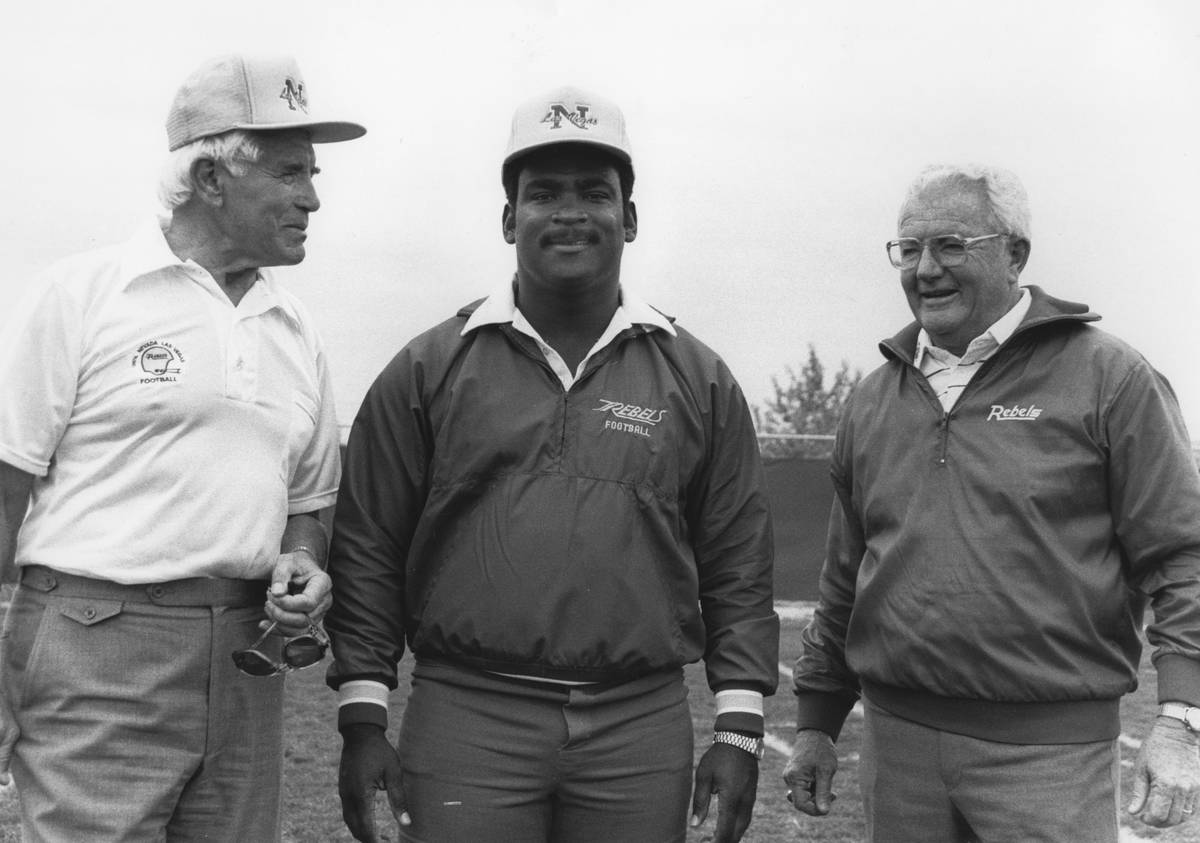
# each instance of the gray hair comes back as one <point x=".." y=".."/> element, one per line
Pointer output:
<point x="1006" y="197"/>
<point x="234" y="149"/>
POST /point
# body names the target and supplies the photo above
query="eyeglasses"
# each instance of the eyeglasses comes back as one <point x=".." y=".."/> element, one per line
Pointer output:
<point x="948" y="250"/>
<point x="298" y="652"/>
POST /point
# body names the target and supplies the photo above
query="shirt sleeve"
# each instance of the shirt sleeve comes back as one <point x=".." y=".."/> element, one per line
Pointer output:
<point x="382" y="493"/>
<point x="314" y="484"/>
<point x="40" y="353"/>
<point x="730" y="523"/>
<point x="1154" y="489"/>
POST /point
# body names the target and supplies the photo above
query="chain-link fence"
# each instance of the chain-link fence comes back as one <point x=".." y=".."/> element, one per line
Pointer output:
<point x="777" y="446"/>
<point x="806" y="446"/>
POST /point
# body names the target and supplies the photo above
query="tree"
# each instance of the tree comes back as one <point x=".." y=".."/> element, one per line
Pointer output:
<point x="804" y="405"/>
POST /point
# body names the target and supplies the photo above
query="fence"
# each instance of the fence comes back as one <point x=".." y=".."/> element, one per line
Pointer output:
<point x="801" y="495"/>
<point x="796" y="469"/>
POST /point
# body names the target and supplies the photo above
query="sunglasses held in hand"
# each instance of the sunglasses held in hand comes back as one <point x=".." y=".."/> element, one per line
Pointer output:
<point x="298" y="652"/>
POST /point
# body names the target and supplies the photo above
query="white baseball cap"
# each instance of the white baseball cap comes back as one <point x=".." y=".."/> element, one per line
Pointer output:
<point x="248" y="92"/>
<point x="568" y="115"/>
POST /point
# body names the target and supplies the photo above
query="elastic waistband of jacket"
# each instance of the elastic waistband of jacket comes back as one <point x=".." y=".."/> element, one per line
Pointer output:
<point x="480" y="679"/>
<point x="1068" y="721"/>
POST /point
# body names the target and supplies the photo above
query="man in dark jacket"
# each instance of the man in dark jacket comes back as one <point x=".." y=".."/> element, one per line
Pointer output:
<point x="555" y="498"/>
<point x="1013" y="486"/>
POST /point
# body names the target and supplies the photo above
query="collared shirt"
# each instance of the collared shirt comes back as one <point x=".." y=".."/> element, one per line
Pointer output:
<point x="169" y="432"/>
<point x="949" y="374"/>
<point x="500" y="307"/>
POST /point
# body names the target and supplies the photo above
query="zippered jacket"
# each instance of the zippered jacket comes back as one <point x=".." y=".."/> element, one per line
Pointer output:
<point x="987" y="567"/>
<point x="491" y="519"/>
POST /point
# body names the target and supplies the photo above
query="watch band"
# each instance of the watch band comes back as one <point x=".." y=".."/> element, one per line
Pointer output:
<point x="752" y="745"/>
<point x="315" y="556"/>
<point x="1188" y="714"/>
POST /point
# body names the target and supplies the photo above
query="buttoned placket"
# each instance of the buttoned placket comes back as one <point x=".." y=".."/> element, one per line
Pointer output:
<point x="241" y="330"/>
<point x="241" y="356"/>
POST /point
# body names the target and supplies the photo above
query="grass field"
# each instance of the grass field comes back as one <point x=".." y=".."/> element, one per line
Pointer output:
<point x="312" y="813"/>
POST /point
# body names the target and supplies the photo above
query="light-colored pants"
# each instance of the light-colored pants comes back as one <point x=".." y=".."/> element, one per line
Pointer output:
<point x="489" y="760"/>
<point x="922" y="785"/>
<point x="135" y="724"/>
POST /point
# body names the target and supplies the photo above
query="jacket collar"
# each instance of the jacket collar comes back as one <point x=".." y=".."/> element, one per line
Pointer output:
<point x="501" y="306"/>
<point x="1044" y="309"/>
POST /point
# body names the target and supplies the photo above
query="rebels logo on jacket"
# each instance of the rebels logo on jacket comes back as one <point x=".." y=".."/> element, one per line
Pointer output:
<point x="629" y="418"/>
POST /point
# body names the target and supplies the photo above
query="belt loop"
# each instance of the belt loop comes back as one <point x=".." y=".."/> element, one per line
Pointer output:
<point x="39" y="578"/>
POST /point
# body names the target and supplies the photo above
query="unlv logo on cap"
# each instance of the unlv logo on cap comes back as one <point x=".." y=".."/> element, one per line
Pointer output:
<point x="293" y="92"/>
<point x="577" y="118"/>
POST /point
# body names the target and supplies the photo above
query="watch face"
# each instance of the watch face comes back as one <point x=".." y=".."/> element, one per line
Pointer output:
<point x="1191" y="719"/>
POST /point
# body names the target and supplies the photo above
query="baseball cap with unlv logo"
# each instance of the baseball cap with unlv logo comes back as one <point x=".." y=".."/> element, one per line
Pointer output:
<point x="248" y="92"/>
<point x="568" y="115"/>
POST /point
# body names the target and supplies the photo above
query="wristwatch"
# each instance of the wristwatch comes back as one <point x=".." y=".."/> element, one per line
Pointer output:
<point x="1189" y="714"/>
<point x="754" y="745"/>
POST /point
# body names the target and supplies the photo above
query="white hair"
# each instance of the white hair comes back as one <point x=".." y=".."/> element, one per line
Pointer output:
<point x="234" y="149"/>
<point x="1006" y="197"/>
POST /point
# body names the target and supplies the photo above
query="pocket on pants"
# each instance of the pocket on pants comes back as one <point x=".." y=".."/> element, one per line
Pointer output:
<point x="89" y="612"/>
<point x="19" y="641"/>
<point x="63" y="642"/>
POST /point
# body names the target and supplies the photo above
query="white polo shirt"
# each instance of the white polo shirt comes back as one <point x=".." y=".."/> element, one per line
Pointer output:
<point x="170" y="433"/>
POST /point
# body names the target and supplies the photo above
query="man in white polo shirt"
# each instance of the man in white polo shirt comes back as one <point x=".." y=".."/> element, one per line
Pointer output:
<point x="1014" y="488"/>
<point x="167" y="445"/>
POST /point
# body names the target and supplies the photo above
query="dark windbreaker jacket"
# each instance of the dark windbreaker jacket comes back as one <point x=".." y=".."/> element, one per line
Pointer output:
<point x="988" y="567"/>
<point x="496" y="521"/>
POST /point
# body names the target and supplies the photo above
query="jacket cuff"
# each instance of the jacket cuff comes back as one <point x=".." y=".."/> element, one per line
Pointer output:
<point x="739" y="710"/>
<point x="362" y="701"/>
<point x="823" y="712"/>
<point x="356" y="714"/>
<point x="1178" y="679"/>
<point x="738" y="721"/>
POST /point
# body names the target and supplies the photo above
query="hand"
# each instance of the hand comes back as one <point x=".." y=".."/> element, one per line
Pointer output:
<point x="732" y="774"/>
<point x="369" y="763"/>
<point x="300" y="592"/>
<point x="809" y="772"/>
<point x="9" y="732"/>
<point x="1166" y="775"/>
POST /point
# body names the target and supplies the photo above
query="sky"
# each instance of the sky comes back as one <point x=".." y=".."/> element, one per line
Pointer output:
<point x="772" y="143"/>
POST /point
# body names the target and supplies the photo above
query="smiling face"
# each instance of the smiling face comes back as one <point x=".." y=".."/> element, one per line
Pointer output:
<point x="264" y="213"/>
<point x="955" y="305"/>
<point x="569" y="222"/>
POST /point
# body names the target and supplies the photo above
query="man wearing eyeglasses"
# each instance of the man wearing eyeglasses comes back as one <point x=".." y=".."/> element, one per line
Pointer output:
<point x="554" y="498"/>
<point x="1013" y="487"/>
<point x="167" y="442"/>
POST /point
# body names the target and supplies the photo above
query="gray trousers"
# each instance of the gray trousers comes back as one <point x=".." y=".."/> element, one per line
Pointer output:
<point x="922" y="785"/>
<point x="135" y="724"/>
<point x="490" y="760"/>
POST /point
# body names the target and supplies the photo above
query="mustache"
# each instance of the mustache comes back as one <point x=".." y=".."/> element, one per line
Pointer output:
<point x="569" y="236"/>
